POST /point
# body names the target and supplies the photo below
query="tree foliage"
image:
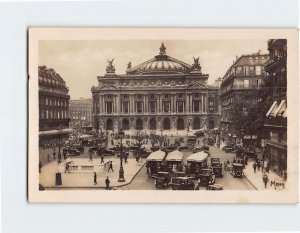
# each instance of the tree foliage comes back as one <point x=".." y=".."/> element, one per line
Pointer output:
<point x="249" y="113"/>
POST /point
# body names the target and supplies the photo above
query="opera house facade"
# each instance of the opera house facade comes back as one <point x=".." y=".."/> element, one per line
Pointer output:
<point x="162" y="93"/>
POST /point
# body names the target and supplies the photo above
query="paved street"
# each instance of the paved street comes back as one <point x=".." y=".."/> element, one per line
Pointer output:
<point x="136" y="177"/>
<point x="142" y="182"/>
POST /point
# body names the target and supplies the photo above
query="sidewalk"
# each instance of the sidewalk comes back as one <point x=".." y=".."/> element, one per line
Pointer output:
<point x="256" y="178"/>
<point x="85" y="179"/>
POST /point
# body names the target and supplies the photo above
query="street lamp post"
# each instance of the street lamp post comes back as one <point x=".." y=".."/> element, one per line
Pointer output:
<point x="121" y="171"/>
<point x="58" y="179"/>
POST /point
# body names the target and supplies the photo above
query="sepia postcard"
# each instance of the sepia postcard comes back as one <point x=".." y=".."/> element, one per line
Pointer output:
<point x="132" y="115"/>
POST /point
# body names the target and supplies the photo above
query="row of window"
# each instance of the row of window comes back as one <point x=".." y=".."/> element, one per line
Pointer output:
<point x="54" y="102"/>
<point x="152" y="107"/>
<point x="53" y="114"/>
<point x="245" y="83"/>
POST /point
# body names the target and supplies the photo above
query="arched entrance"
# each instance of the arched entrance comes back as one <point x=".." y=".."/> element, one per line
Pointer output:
<point x="196" y="123"/>
<point x="180" y="124"/>
<point x="109" y="124"/>
<point x="152" y="124"/>
<point x="125" y="124"/>
<point x="211" y="124"/>
<point x="139" y="124"/>
<point x="167" y="124"/>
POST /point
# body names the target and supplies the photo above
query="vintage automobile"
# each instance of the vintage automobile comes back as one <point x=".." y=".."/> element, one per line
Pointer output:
<point x="178" y="174"/>
<point x="79" y="147"/>
<point x="239" y="160"/>
<point x="105" y="152"/>
<point x="183" y="183"/>
<point x="196" y="162"/>
<point x="217" y="168"/>
<point x="250" y="153"/>
<point x="162" y="180"/>
<point x="215" y="187"/>
<point x="93" y="149"/>
<point x="69" y="151"/>
<point x="237" y="170"/>
<point x="229" y="148"/>
<point x="214" y="160"/>
<point x="211" y="141"/>
<point x="154" y="162"/>
<point x="207" y="177"/>
<point x="191" y="142"/>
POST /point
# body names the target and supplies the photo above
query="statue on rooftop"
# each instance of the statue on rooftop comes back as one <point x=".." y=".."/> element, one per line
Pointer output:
<point x="110" y="68"/>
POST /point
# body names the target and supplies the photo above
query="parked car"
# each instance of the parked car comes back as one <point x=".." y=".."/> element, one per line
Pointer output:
<point x="215" y="187"/>
<point x="104" y="151"/>
<point x="237" y="170"/>
<point x="217" y="168"/>
<point x="69" y="151"/>
<point x="79" y="147"/>
<point x="229" y="148"/>
<point x="183" y="183"/>
<point x="207" y="177"/>
<point x="162" y="180"/>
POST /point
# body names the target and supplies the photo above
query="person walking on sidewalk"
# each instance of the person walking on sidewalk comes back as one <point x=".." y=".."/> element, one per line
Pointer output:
<point x="102" y="159"/>
<point x="54" y="155"/>
<point x="265" y="179"/>
<point x="254" y="167"/>
<point x="95" y="178"/>
<point x="126" y="157"/>
<point x="107" y="182"/>
<point x="91" y="157"/>
<point x="67" y="168"/>
<point x="48" y="156"/>
<point x="258" y="165"/>
<point x="110" y="167"/>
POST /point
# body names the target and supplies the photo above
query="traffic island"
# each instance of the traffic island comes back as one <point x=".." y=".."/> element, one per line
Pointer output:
<point x="81" y="173"/>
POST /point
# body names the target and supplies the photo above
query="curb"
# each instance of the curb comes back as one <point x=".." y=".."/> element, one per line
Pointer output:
<point x="250" y="182"/>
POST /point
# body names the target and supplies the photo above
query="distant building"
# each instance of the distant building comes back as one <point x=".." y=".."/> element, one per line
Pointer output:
<point x="245" y="75"/>
<point x="276" y="117"/>
<point x="162" y="93"/>
<point x="81" y="112"/>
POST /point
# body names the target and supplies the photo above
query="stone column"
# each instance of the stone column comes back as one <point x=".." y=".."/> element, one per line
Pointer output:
<point x="144" y="104"/>
<point x="172" y="104"/>
<point x="205" y="105"/>
<point x="160" y="104"/>
<point x="202" y="100"/>
<point x="187" y="99"/>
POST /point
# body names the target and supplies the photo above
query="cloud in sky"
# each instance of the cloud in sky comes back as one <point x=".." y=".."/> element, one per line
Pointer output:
<point x="80" y="62"/>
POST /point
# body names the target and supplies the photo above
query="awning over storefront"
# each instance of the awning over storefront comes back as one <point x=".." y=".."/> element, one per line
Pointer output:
<point x="278" y="110"/>
<point x="272" y="109"/>
<point x="55" y="132"/>
<point x="281" y="108"/>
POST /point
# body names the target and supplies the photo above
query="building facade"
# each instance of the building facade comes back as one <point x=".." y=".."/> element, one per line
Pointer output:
<point x="243" y="77"/>
<point x="276" y="117"/>
<point x="53" y="100"/>
<point x="162" y="93"/>
<point x="81" y="112"/>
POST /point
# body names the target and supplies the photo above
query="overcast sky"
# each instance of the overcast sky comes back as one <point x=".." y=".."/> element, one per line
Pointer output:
<point x="80" y="62"/>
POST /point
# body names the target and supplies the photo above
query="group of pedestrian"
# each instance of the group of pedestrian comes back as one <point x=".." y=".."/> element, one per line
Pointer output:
<point x="260" y="165"/>
<point x="107" y="181"/>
